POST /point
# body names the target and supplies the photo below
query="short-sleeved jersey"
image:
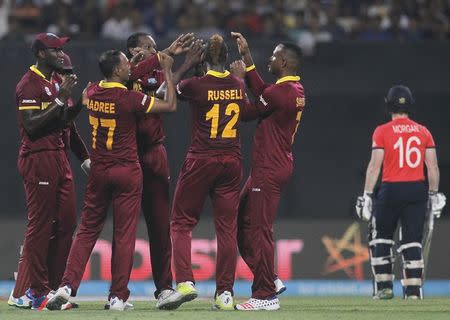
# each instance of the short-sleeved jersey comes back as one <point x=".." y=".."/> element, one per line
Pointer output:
<point x="112" y="116"/>
<point x="404" y="142"/>
<point x="280" y="106"/>
<point x="35" y="92"/>
<point x="146" y="77"/>
<point x="216" y="100"/>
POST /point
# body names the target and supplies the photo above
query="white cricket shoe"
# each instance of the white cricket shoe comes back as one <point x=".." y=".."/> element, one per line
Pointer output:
<point x="253" y="304"/>
<point x="116" y="304"/>
<point x="169" y="299"/>
<point x="224" y="301"/>
<point x="128" y="306"/>
<point x="23" y="302"/>
<point x="59" y="298"/>
<point x="279" y="286"/>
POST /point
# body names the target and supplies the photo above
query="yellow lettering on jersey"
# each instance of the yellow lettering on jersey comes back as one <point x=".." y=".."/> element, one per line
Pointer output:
<point x="44" y="105"/>
<point x="229" y="94"/>
<point x="101" y="106"/>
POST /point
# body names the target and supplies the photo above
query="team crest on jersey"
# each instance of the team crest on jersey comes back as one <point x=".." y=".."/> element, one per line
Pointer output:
<point x="47" y="90"/>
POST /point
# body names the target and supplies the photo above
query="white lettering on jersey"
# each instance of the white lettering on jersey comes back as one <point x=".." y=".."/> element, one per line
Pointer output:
<point x="264" y="102"/>
<point x="405" y="128"/>
<point x="144" y="99"/>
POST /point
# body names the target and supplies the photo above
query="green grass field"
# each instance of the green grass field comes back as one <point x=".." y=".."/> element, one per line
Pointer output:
<point x="291" y="308"/>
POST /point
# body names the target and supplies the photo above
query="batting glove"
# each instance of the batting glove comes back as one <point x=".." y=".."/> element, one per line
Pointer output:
<point x="364" y="206"/>
<point x="437" y="202"/>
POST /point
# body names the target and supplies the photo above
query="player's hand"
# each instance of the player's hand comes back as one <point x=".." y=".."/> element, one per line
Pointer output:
<point x="180" y="45"/>
<point x="237" y="68"/>
<point x="67" y="85"/>
<point x="138" y="56"/>
<point x="165" y="61"/>
<point x="437" y="203"/>
<point x="86" y="166"/>
<point x="194" y="54"/>
<point x="241" y="43"/>
<point x="84" y="96"/>
<point x="364" y="206"/>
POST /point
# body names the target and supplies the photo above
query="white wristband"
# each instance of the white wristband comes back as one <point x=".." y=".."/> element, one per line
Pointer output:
<point x="59" y="102"/>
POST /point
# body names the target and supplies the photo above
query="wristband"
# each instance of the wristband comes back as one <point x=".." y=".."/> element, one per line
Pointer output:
<point x="59" y="102"/>
<point x="250" y="68"/>
<point x="368" y="193"/>
<point x="432" y="192"/>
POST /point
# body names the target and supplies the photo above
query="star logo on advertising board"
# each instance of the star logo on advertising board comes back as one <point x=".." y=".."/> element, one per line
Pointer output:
<point x="347" y="253"/>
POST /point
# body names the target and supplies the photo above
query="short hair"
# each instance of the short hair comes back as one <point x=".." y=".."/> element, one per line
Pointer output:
<point x="294" y="53"/>
<point x="133" y="41"/>
<point x="216" y="50"/>
<point x="108" y="61"/>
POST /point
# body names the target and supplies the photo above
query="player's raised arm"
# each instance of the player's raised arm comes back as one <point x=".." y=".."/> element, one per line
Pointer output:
<point x="169" y="104"/>
<point x="255" y="82"/>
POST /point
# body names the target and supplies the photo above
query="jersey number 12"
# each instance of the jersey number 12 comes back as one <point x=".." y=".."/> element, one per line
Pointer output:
<point x="405" y="152"/>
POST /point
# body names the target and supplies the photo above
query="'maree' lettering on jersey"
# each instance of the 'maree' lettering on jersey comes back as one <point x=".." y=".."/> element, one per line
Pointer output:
<point x="404" y="142"/>
<point x="280" y="106"/>
<point x="34" y="92"/>
<point x="146" y="77"/>
<point x="216" y="100"/>
<point x="112" y="116"/>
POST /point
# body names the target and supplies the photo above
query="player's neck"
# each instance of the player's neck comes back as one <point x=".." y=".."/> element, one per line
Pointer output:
<point x="399" y="116"/>
<point x="287" y="73"/>
<point x="217" y="68"/>
<point x="115" y="79"/>
<point x="44" y="69"/>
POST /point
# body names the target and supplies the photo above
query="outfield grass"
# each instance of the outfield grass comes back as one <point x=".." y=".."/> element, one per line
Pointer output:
<point x="291" y="308"/>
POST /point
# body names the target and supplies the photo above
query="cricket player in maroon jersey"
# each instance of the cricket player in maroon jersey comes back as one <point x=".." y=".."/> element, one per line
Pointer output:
<point x="402" y="147"/>
<point x="212" y="167"/>
<point x="115" y="177"/>
<point x="279" y="108"/>
<point x="147" y="76"/>
<point x="56" y="263"/>
<point x="42" y="162"/>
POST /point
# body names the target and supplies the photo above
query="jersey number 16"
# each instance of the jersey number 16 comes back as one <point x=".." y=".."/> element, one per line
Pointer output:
<point x="405" y="152"/>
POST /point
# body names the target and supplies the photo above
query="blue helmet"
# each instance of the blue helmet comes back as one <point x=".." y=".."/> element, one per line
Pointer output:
<point x="399" y="99"/>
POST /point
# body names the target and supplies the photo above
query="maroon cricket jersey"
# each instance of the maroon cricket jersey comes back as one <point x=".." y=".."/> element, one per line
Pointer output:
<point x="146" y="77"/>
<point x="216" y="100"/>
<point x="280" y="106"/>
<point x="34" y="92"/>
<point x="113" y="115"/>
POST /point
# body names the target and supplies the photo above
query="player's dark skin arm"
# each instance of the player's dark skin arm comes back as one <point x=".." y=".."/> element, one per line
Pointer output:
<point x="193" y="57"/>
<point x="33" y="120"/>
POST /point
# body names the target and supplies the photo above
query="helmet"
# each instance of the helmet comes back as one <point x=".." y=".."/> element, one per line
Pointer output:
<point x="399" y="99"/>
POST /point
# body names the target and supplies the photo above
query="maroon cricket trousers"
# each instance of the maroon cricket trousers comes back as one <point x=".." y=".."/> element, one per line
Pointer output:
<point x="156" y="209"/>
<point x="121" y="187"/>
<point x="50" y="197"/>
<point x="257" y="211"/>
<point x="220" y="178"/>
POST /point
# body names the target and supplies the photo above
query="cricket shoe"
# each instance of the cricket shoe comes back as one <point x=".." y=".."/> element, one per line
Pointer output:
<point x="253" y="304"/>
<point x="59" y="298"/>
<point x="37" y="303"/>
<point x="413" y="297"/>
<point x="169" y="299"/>
<point x="224" y="301"/>
<point x="116" y="304"/>
<point x="187" y="291"/>
<point x="384" y="294"/>
<point x="23" y="302"/>
<point x="128" y="306"/>
<point x="279" y="286"/>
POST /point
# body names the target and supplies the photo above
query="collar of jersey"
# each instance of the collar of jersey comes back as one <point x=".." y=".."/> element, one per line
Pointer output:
<point x="218" y="74"/>
<point x="288" y="78"/>
<point x="109" y="85"/>
<point x="38" y="72"/>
